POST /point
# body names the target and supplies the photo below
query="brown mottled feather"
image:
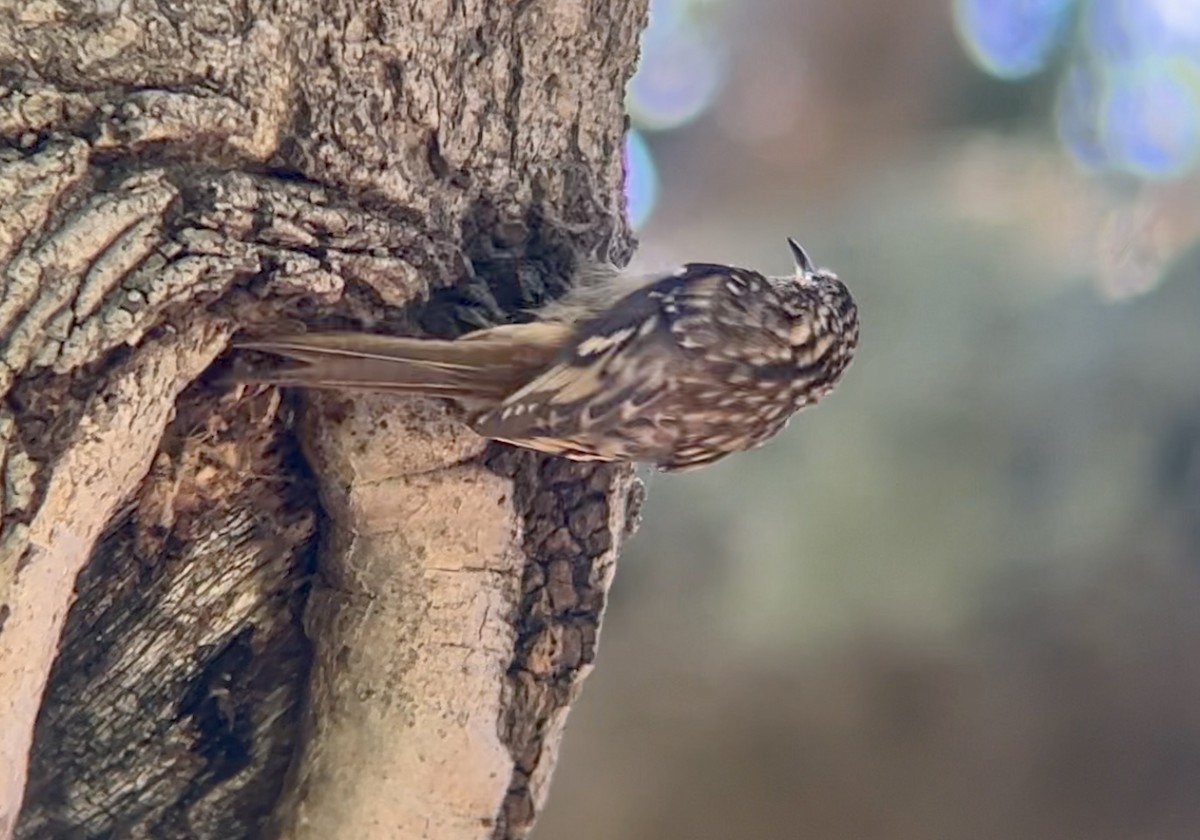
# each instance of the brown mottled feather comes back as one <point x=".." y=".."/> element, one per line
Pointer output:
<point x="487" y="364"/>
<point x="678" y="370"/>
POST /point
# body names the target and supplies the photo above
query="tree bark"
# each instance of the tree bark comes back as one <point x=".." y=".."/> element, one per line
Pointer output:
<point x="227" y="612"/>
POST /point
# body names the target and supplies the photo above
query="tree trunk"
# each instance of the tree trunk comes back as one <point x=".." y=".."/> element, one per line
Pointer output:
<point x="230" y="613"/>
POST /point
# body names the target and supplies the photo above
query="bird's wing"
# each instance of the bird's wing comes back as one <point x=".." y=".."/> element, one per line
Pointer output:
<point x="607" y="396"/>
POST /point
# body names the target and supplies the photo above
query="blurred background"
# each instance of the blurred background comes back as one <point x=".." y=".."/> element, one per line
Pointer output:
<point x="961" y="598"/>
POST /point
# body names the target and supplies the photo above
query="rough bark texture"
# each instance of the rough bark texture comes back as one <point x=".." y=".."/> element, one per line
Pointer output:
<point x="230" y="613"/>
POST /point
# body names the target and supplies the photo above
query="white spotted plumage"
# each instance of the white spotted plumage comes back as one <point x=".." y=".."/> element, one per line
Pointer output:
<point x="677" y="370"/>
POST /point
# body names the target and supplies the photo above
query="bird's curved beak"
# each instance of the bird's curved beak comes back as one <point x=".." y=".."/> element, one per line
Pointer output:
<point x="804" y="265"/>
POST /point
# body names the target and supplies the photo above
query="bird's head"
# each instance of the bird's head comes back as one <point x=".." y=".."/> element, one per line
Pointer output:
<point x="824" y="330"/>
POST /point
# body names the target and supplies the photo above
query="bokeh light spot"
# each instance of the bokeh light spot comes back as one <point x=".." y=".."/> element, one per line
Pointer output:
<point x="1011" y="39"/>
<point x="641" y="179"/>
<point x="1109" y="31"/>
<point x="679" y="75"/>
<point x="1151" y="121"/>
<point x="1166" y="27"/>
<point x="1080" y="101"/>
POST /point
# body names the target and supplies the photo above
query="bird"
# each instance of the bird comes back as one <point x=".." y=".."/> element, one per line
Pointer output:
<point x="674" y="369"/>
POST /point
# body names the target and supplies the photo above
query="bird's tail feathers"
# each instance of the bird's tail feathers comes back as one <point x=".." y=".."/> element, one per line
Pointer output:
<point x="489" y="364"/>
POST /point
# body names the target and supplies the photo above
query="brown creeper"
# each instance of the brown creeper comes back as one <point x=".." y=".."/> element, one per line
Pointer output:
<point x="676" y="370"/>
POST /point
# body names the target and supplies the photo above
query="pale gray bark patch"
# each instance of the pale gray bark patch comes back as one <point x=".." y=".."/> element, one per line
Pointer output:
<point x="411" y="625"/>
<point x="172" y="172"/>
